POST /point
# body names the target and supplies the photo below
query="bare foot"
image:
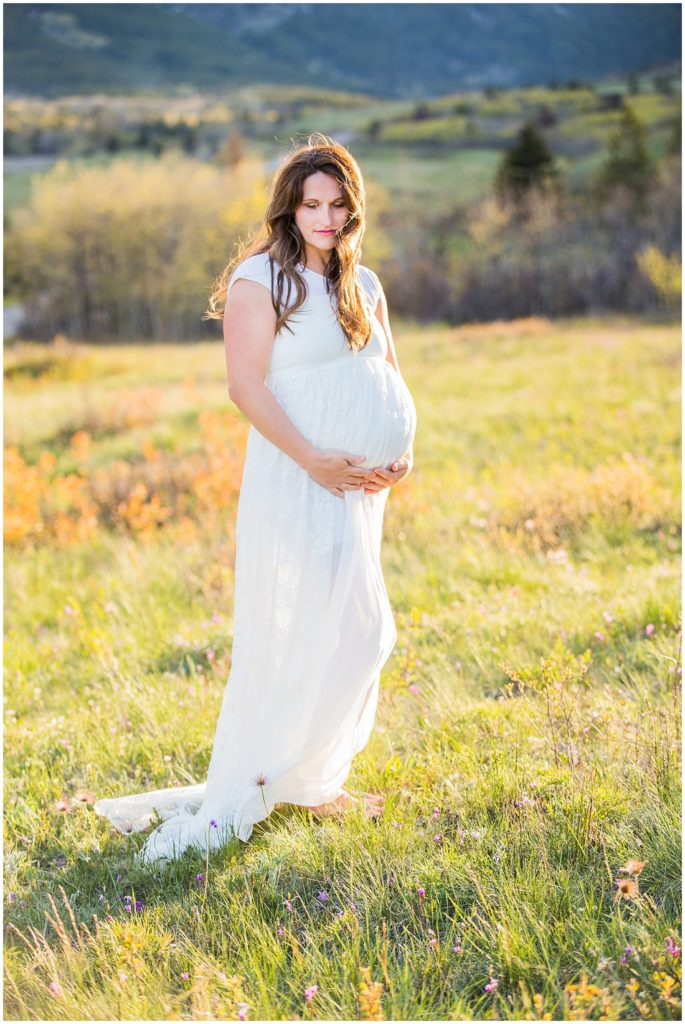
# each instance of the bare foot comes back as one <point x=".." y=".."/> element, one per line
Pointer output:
<point x="371" y="802"/>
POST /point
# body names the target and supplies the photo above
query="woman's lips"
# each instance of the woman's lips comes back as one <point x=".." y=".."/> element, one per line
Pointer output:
<point x="325" y="232"/>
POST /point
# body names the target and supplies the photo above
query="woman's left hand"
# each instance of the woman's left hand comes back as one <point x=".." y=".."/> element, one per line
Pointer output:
<point x="388" y="477"/>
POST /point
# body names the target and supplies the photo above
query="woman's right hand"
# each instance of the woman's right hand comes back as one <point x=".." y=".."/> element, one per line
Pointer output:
<point x="338" y="471"/>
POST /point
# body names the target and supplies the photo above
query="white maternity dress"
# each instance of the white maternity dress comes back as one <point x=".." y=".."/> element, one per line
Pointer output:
<point x="312" y="622"/>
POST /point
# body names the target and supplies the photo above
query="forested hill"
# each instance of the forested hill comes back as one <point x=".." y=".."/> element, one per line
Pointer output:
<point x="393" y="50"/>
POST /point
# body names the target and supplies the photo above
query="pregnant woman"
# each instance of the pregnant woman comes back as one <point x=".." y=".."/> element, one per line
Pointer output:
<point x="312" y="365"/>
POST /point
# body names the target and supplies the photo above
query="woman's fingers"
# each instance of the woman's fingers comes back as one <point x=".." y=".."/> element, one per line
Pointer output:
<point x="386" y="478"/>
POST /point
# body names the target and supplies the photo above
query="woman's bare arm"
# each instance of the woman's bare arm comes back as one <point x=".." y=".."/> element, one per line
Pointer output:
<point x="249" y="329"/>
<point x="249" y="326"/>
<point x="383" y="316"/>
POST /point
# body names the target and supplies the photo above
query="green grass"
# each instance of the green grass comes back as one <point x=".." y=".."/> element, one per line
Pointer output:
<point x="529" y="715"/>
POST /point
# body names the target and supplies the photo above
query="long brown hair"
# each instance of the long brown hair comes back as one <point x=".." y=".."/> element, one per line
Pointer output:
<point x="285" y="244"/>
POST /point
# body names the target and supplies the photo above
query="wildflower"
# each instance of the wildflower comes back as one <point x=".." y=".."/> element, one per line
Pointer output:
<point x="55" y="989"/>
<point x="288" y="906"/>
<point x="260" y="779"/>
<point x="185" y="974"/>
<point x="436" y="812"/>
<point x="84" y="796"/>
<point x="123" y="975"/>
<point x="281" y="930"/>
<point x="671" y="947"/>
<point x="414" y="689"/>
<point x="633" y="867"/>
<point x="108" y="917"/>
<point x="649" y="629"/>
<point x="310" y="992"/>
<point x="242" y="1011"/>
<point x="432" y="942"/>
<point x="437" y="838"/>
<point x="63" y="804"/>
<point x="394" y="824"/>
<point x="213" y="823"/>
<point x="627" y="888"/>
<point x="322" y="896"/>
<point x="626" y="953"/>
<point x="600" y="636"/>
<point x="139" y="905"/>
<point x="13" y="896"/>
<point x="199" y="876"/>
<point x="457" y="948"/>
<point x="390" y="879"/>
<point x="421" y="892"/>
<point x="370" y="993"/>
<point x="353" y="905"/>
<point x="491" y="985"/>
<point x="608" y="617"/>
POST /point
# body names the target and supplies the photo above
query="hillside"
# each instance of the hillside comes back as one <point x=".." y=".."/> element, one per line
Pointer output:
<point x="409" y="50"/>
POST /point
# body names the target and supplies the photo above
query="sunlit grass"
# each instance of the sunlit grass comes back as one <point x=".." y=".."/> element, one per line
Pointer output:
<point x="527" y="741"/>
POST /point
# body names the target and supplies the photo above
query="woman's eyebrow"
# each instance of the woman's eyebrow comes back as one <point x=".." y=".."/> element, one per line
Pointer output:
<point x="313" y="199"/>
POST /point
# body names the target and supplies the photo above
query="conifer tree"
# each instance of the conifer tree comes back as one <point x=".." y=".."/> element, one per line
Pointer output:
<point x="527" y="165"/>
<point x="628" y="164"/>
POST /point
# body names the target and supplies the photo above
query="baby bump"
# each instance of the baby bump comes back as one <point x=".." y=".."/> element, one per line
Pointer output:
<point x="360" y="405"/>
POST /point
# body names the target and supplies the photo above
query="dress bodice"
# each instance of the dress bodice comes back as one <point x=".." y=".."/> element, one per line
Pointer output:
<point x="317" y="338"/>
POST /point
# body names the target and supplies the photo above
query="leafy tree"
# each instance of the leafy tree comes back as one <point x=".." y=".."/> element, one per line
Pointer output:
<point x="233" y="149"/>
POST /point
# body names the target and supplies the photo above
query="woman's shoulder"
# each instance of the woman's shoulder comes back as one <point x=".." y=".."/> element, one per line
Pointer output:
<point x="256" y="267"/>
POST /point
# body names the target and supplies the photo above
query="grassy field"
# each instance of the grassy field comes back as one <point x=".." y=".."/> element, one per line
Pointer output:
<point x="527" y="865"/>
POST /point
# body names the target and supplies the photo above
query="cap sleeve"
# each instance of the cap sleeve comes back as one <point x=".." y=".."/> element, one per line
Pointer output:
<point x="371" y="285"/>
<point x="254" y="268"/>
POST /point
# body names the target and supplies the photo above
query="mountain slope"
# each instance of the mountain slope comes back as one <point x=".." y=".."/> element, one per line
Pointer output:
<point x="392" y="50"/>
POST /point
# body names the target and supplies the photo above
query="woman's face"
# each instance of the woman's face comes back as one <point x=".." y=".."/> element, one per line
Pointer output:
<point x="321" y="215"/>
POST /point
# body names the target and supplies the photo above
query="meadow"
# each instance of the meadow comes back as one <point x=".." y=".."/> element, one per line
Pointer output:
<point x="528" y="739"/>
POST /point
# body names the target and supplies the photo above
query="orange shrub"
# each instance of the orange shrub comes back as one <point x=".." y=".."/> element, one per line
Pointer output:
<point x="39" y="504"/>
<point x="137" y="497"/>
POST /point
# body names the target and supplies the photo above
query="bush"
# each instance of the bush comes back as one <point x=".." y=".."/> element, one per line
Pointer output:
<point x="129" y="251"/>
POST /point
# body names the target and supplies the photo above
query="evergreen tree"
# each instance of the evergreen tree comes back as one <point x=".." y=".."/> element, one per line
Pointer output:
<point x="675" y="140"/>
<point x="529" y="164"/>
<point x="628" y="163"/>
